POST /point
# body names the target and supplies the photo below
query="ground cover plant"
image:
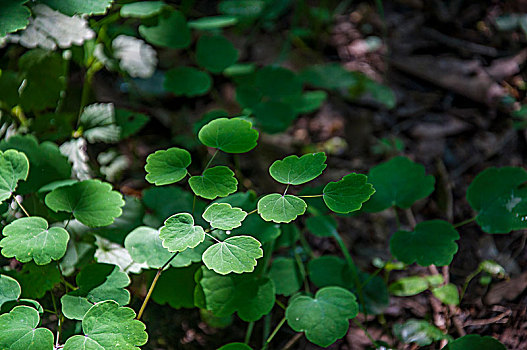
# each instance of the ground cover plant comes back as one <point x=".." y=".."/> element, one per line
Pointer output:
<point x="97" y="228"/>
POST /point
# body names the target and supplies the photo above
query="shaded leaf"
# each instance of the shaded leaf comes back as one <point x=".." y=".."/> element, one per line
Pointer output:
<point x="418" y="331"/>
<point x="135" y="57"/>
<point x="212" y="22"/>
<point x="286" y="276"/>
<point x="98" y="121"/>
<point x="215" y="53"/>
<point x="73" y="7"/>
<point x="273" y="116"/>
<point x="18" y="330"/>
<point x="187" y="81"/>
<point x="14" y="166"/>
<point x="14" y="16"/>
<point x="475" y="342"/>
<point x="175" y="287"/>
<point x="322" y="225"/>
<point x="171" y="31"/>
<point x="36" y="280"/>
<point x="142" y="9"/>
<point x="348" y="194"/>
<point x="145" y="246"/>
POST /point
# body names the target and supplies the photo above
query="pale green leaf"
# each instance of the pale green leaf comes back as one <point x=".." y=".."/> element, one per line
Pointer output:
<point x="14" y="166"/>
<point x="447" y="294"/>
<point x="142" y="9"/>
<point x="167" y="166"/>
<point x="234" y="135"/>
<point x="179" y="233"/>
<point x="224" y="217"/>
<point x="74" y="7"/>
<point x="18" y="330"/>
<point x="293" y="170"/>
<point x="236" y="254"/>
<point x="9" y="289"/>
<point x="212" y="22"/>
<point x="408" y="286"/>
<point x="279" y="208"/>
<point x="214" y="182"/>
<point x="418" y="331"/>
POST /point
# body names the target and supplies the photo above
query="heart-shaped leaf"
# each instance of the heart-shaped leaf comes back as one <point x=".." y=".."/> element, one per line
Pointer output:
<point x="251" y="296"/>
<point x="324" y="318"/>
<point x="187" y="81"/>
<point x="236" y="254"/>
<point x="398" y="182"/>
<point x="293" y="170"/>
<point x="278" y="82"/>
<point x="234" y="135"/>
<point x="14" y="166"/>
<point x="286" y="276"/>
<point x="431" y="242"/>
<point x="92" y="202"/>
<point x="9" y="289"/>
<point x="142" y="9"/>
<point x="145" y="246"/>
<point x="214" y="182"/>
<point x="418" y="331"/>
<point x="215" y="53"/>
<point x="279" y="208"/>
<point x="499" y="197"/>
<point x="14" y="16"/>
<point x="273" y="116"/>
<point x="77" y="7"/>
<point x="18" y="330"/>
<point x="179" y="233"/>
<point x="171" y="31"/>
<point x="107" y="326"/>
<point x="30" y="238"/>
<point x="348" y="194"/>
<point x="167" y="167"/>
<point x="224" y="217"/>
<point x="475" y="342"/>
<point x="176" y="287"/>
<point x="74" y="307"/>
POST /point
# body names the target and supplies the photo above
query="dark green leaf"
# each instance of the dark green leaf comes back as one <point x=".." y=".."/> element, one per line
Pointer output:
<point x="293" y="170"/>
<point x="234" y="135"/>
<point x="475" y="342"/>
<point x="348" y="194"/>
<point x="171" y="32"/>
<point x="187" y="81"/>
<point x="215" y="53"/>
<point x="286" y="276"/>
<point x="176" y="287"/>
<point x="13" y="16"/>
<point x="142" y="9"/>
<point x="215" y="182"/>
<point x="9" y="289"/>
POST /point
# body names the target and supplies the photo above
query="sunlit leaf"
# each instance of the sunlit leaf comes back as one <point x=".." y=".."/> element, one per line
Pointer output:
<point x="348" y="194"/>
<point x="14" y="166"/>
<point x="179" y="233"/>
<point x="279" y="208"/>
<point x="9" y="289"/>
<point x="167" y="166"/>
<point x="236" y="254"/>
<point x="293" y="170"/>
<point x="224" y="217"/>
<point x="234" y="135"/>
<point x="418" y="331"/>
<point x="142" y="9"/>
<point x="218" y="181"/>
<point x="14" y="16"/>
<point x="447" y="294"/>
<point x="135" y="56"/>
<point x="18" y="330"/>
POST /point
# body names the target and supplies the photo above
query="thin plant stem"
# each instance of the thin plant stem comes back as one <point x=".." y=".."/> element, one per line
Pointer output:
<point x="193" y="204"/>
<point x="467" y="281"/>
<point x="266" y="331"/>
<point x="375" y="273"/>
<point x="410" y="217"/>
<point x="306" y="246"/>
<point x="312" y="196"/>
<point x="211" y="159"/>
<point x="152" y="286"/>
<point x="361" y="326"/>
<point x="302" y="270"/>
<point x="249" y="332"/>
<point x="277" y="328"/>
<point x="252" y="212"/>
<point x="68" y="222"/>
<point x="280" y="304"/>
<point x="21" y="206"/>
<point x="286" y="188"/>
<point x="211" y="236"/>
<point x="397" y="220"/>
<point x="467" y="221"/>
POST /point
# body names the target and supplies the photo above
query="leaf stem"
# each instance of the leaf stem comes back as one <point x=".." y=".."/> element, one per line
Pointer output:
<point x="467" y="281"/>
<point x="277" y="328"/>
<point x="311" y="196"/>
<point x="397" y="220"/>
<point x="249" y="332"/>
<point x="152" y="286"/>
<point x="361" y="326"/>
<point x="279" y="303"/>
<point x="467" y="221"/>
<point x="211" y="236"/>
<point x="21" y="206"/>
<point x="285" y="191"/>
<point x="252" y="212"/>
<point x="211" y="159"/>
<point x="410" y="217"/>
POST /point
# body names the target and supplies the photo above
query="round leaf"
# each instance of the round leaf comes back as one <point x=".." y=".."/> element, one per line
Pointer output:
<point x="74" y="307"/>
<point x="500" y="199"/>
<point x="293" y="170"/>
<point x="166" y="167"/>
<point x="179" y="233"/>
<point x="278" y="82"/>
<point x="14" y="166"/>
<point x="236" y="254"/>
<point x="431" y="242"/>
<point x="142" y="9"/>
<point x="18" y="330"/>
<point x="9" y="289"/>
<point x="99" y="282"/>
<point x="278" y="208"/>
<point x="92" y="202"/>
<point x="249" y="295"/>
<point x="286" y="276"/>
<point x="214" y="182"/>
<point x="215" y="53"/>
<point x="30" y="238"/>
<point x="273" y="116"/>
<point x="145" y="246"/>
<point x="109" y="326"/>
<point x="171" y="31"/>
<point x="348" y="194"/>
<point x="224" y="217"/>
<point x="233" y="135"/>
<point x="475" y="342"/>
<point x="398" y="182"/>
<point x="187" y="81"/>
<point x="324" y="318"/>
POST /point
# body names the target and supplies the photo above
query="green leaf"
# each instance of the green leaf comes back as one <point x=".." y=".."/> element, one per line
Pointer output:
<point x="447" y="294"/>
<point x="14" y="166"/>
<point x="260" y="229"/>
<point x="212" y="22"/>
<point x="155" y="199"/>
<point x="74" y="307"/>
<point x="293" y="170"/>
<point x="329" y="76"/>
<point x="132" y="217"/>
<point x="322" y="225"/>
<point x="171" y="32"/>
<point x="18" y="330"/>
<point x="236" y="254"/>
<point x="30" y="238"/>
<point x="92" y="202"/>
<point x="431" y="242"/>
<point x="235" y="346"/>
<point x="191" y="255"/>
<point x="273" y="116"/>
<point x="109" y="326"/>
<point x="279" y="208"/>
<point x="214" y="182"/>
<point x="44" y="80"/>
<point x="142" y="9"/>
<point x="324" y="318"/>
<point x="408" y="286"/>
<point x="176" y="287"/>
<point x="308" y="102"/>
<point x="249" y="295"/>
<point x="475" y="342"/>
<point x="244" y="9"/>
<point x="286" y="276"/>
<point x="187" y="81"/>
<point x="179" y="233"/>
<point x="47" y="163"/>
<point x="129" y="122"/>
<point x="418" y="331"/>
<point x="277" y="82"/>
<point x="348" y="194"/>
<point x="234" y="135"/>
<point x="166" y="167"/>
<point x="500" y="198"/>
<point x="215" y="53"/>
<point x="9" y="289"/>
<point x="224" y="217"/>
<point x="98" y="122"/>
<point x="398" y="182"/>
<point x="36" y="280"/>
<point x="77" y="7"/>
<point x="13" y="16"/>
<point x="145" y="246"/>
